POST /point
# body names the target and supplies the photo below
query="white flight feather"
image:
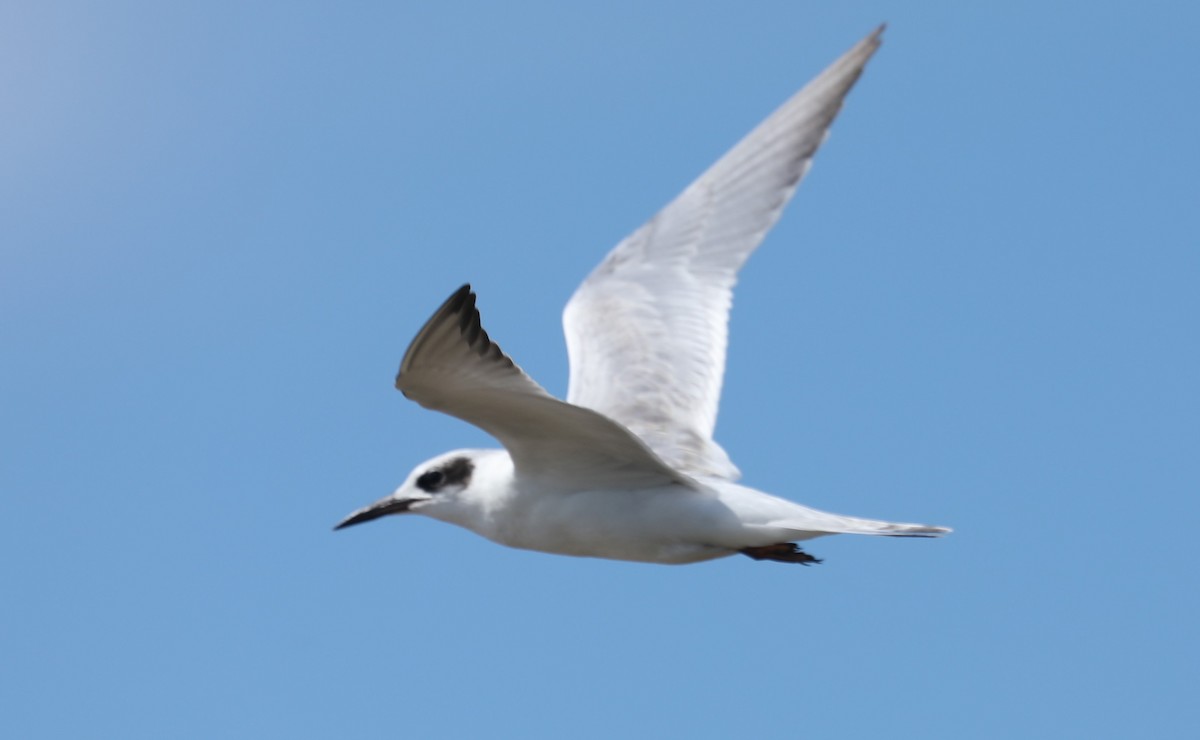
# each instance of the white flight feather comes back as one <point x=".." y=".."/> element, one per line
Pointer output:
<point x="646" y="331"/>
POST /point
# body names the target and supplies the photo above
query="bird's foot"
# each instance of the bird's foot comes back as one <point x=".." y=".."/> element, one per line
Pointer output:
<point x="784" y="552"/>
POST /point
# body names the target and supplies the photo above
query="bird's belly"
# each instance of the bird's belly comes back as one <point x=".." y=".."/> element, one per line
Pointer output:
<point x="671" y="525"/>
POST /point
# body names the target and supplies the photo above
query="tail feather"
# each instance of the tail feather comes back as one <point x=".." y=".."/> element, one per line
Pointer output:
<point x="911" y="530"/>
<point x="834" y="524"/>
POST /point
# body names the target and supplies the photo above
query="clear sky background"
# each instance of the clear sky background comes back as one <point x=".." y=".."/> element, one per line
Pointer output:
<point x="222" y="222"/>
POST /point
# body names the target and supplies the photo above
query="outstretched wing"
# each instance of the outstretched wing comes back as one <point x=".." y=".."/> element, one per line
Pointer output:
<point x="646" y="331"/>
<point x="453" y="366"/>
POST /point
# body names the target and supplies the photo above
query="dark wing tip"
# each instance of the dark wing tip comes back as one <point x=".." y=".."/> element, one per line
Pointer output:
<point x="459" y="297"/>
<point x="470" y="326"/>
<point x="452" y="306"/>
<point x="459" y="309"/>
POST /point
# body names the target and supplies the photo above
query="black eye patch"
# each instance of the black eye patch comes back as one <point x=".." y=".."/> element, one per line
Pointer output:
<point x="431" y="481"/>
<point x="457" y="471"/>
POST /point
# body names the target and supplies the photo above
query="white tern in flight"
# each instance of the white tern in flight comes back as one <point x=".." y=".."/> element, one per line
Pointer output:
<point x="626" y="468"/>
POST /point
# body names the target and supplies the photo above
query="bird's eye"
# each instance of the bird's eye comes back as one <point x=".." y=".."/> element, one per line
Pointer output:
<point x="431" y="480"/>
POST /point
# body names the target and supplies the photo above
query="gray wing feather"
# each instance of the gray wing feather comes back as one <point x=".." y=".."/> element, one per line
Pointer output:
<point x="453" y="366"/>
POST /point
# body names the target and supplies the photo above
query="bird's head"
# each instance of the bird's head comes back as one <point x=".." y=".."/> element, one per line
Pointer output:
<point x="434" y="484"/>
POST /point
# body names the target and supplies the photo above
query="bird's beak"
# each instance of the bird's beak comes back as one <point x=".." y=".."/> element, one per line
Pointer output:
<point x="383" y="507"/>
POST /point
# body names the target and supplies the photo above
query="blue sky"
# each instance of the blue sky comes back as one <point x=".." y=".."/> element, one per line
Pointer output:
<point x="221" y="223"/>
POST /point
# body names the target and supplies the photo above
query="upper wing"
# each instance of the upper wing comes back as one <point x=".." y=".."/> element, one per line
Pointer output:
<point x="646" y="331"/>
<point x="453" y="367"/>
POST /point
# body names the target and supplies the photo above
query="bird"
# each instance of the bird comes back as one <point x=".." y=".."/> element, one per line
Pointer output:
<point x="626" y="467"/>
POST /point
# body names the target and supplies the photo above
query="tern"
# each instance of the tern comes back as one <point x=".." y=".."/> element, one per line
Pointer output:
<point x="626" y="468"/>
